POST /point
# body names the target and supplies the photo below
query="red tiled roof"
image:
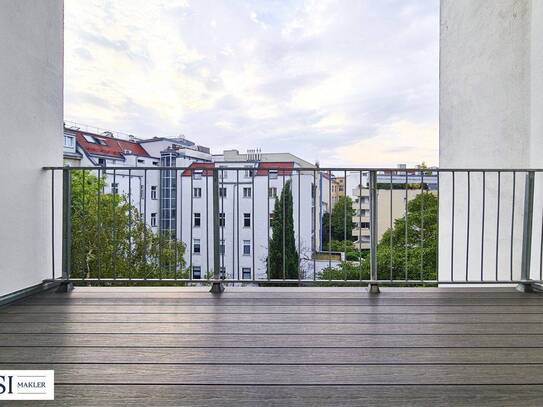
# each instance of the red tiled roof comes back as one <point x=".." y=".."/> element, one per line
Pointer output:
<point x="113" y="147"/>
<point x="283" y="168"/>
<point x="207" y="169"/>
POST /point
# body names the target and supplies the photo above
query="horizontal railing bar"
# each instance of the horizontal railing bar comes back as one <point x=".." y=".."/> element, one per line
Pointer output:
<point x="322" y="169"/>
<point x="292" y="281"/>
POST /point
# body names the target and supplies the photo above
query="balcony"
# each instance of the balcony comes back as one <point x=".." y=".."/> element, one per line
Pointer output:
<point x="280" y="346"/>
<point x="441" y="322"/>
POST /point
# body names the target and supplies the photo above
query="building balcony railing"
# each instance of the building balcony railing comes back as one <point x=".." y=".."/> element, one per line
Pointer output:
<point x="203" y="224"/>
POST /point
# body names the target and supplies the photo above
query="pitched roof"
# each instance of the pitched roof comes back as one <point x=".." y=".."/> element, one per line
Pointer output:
<point x="207" y="169"/>
<point x="112" y="147"/>
<point x="283" y="168"/>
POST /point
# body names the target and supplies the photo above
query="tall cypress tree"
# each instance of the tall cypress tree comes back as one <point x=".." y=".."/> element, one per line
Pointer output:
<point x="283" y="259"/>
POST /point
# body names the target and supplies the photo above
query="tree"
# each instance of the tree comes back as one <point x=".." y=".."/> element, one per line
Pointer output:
<point x="409" y="249"/>
<point x="283" y="259"/>
<point x="111" y="240"/>
<point x="342" y="223"/>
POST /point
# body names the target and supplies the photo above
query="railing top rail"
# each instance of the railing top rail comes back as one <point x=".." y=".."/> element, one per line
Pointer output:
<point x="426" y="171"/>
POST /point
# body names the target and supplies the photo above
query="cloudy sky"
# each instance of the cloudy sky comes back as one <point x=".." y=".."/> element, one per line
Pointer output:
<point x="341" y="82"/>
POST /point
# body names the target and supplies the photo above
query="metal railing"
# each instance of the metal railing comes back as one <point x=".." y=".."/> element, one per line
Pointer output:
<point x="264" y="225"/>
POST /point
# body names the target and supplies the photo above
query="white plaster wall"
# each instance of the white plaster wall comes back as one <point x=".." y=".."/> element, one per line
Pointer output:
<point x="31" y="113"/>
<point x="491" y="84"/>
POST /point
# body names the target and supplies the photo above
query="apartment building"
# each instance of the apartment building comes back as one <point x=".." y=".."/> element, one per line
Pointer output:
<point x="392" y="199"/>
<point x="177" y="198"/>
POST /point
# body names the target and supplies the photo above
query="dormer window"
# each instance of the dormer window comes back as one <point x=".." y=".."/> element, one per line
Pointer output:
<point x="89" y="139"/>
<point x="69" y="141"/>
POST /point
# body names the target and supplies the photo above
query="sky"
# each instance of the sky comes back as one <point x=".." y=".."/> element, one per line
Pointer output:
<point x="339" y="82"/>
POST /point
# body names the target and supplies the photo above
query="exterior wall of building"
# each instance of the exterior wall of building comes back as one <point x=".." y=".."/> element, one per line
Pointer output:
<point x="31" y="108"/>
<point x="234" y="235"/>
<point x="490" y="117"/>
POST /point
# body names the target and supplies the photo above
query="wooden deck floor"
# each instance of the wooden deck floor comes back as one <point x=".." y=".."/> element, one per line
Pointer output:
<point x="280" y="346"/>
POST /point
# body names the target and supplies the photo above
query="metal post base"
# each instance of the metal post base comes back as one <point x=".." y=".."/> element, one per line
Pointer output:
<point x="529" y="287"/>
<point x="65" y="287"/>
<point x="373" y="288"/>
<point x="216" y="287"/>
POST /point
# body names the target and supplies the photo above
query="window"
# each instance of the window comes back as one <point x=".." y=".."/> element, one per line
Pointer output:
<point x="364" y="199"/>
<point x="102" y="162"/>
<point x="246" y="247"/>
<point x="115" y="188"/>
<point x="221" y="247"/>
<point x="246" y="273"/>
<point x="272" y="192"/>
<point x="222" y="192"/>
<point x="271" y="217"/>
<point x="197" y="193"/>
<point x="153" y="219"/>
<point x="197" y="220"/>
<point x="196" y="272"/>
<point x="222" y="220"/>
<point x="69" y="141"/>
<point x="273" y="174"/>
<point x="197" y="174"/>
<point x="365" y="225"/>
<point x="89" y="139"/>
<point x="222" y="272"/>
<point x="249" y="172"/>
<point x="196" y="246"/>
<point x="155" y="163"/>
<point x="247" y="192"/>
<point x="100" y="141"/>
<point x="247" y="220"/>
<point x="153" y="192"/>
<point x="223" y="174"/>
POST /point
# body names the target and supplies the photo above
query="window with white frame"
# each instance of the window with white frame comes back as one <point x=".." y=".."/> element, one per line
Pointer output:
<point x="222" y="192"/>
<point x="246" y="247"/>
<point x="222" y="219"/>
<point x="247" y="220"/>
<point x="69" y="141"/>
<point x="272" y="192"/>
<point x="197" y="219"/>
<point x="221" y="247"/>
<point x="89" y="139"/>
<point x="115" y="188"/>
<point x="153" y="219"/>
<point x="222" y="272"/>
<point x="197" y="192"/>
<point x="249" y="172"/>
<point x="196" y="246"/>
<point x="273" y="174"/>
<point x="197" y="174"/>
<point x="153" y="192"/>
<point x="246" y="273"/>
<point x="223" y="174"/>
<point x="196" y="272"/>
<point x="247" y="192"/>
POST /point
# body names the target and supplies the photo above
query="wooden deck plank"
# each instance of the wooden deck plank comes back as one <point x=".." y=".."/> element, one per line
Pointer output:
<point x="284" y="302"/>
<point x="345" y="396"/>
<point x="292" y="374"/>
<point x="273" y="328"/>
<point x="272" y="355"/>
<point x="274" y="340"/>
<point x="293" y="309"/>
<point x="264" y="318"/>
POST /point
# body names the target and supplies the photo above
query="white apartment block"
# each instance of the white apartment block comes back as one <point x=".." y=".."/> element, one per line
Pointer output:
<point x="179" y="200"/>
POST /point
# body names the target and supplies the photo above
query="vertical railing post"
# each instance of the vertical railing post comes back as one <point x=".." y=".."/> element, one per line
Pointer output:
<point x="525" y="283"/>
<point x="66" y="285"/>
<point x="373" y="286"/>
<point x="216" y="284"/>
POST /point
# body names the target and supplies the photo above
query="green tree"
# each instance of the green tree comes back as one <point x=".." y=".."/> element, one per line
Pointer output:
<point x="342" y="215"/>
<point x="111" y="240"/>
<point x="283" y="259"/>
<point x="409" y="249"/>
